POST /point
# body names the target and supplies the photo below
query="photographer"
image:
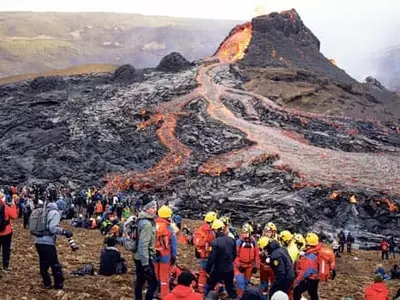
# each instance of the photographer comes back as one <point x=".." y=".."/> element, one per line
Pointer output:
<point x="45" y="242"/>
<point x="8" y="211"/>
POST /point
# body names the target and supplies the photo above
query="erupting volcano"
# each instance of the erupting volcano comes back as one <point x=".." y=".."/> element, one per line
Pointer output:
<point x="212" y="136"/>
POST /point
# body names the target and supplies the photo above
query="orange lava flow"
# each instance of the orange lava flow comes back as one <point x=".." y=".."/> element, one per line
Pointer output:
<point x="234" y="47"/>
<point x="393" y="207"/>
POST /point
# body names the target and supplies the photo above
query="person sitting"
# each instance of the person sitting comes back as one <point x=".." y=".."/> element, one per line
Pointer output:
<point x="111" y="261"/>
<point x="377" y="290"/>
<point x="395" y="272"/>
<point x="380" y="270"/>
<point x="184" y="288"/>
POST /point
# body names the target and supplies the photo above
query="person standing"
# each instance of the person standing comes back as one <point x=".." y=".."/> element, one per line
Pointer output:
<point x="385" y="249"/>
<point x="45" y="243"/>
<point x="145" y="252"/>
<point x="8" y="212"/>
<point x="342" y="241"/>
<point x="349" y="242"/>
<point x="166" y="249"/>
<point x="220" y="261"/>
<point x="392" y="247"/>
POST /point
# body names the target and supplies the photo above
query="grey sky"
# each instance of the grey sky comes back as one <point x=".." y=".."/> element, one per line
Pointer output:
<point x="349" y="30"/>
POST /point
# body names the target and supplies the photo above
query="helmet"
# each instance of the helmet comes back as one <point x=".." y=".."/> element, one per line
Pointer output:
<point x="299" y="238"/>
<point x="263" y="242"/>
<point x="248" y="226"/>
<point x="312" y="239"/>
<point x="225" y="220"/>
<point x="245" y="229"/>
<point x="270" y="227"/>
<point x="80" y="216"/>
<point x="165" y="212"/>
<point x="211" y="216"/>
<point x="217" y="225"/>
<point x="285" y="236"/>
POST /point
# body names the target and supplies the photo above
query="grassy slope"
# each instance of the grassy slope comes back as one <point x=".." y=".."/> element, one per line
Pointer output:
<point x="36" y="42"/>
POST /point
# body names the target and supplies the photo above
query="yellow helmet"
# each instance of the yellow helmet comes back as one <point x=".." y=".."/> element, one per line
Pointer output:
<point x="210" y="217"/>
<point x="245" y="229"/>
<point x="285" y="236"/>
<point x="263" y="242"/>
<point x="164" y="212"/>
<point x="217" y="225"/>
<point x="248" y="227"/>
<point x="225" y="220"/>
<point x="312" y="239"/>
<point x="270" y="227"/>
<point x="299" y="238"/>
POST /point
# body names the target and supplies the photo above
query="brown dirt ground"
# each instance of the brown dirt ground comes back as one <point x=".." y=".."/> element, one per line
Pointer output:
<point x="23" y="282"/>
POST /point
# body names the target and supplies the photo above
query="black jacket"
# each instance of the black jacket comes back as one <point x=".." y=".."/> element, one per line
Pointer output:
<point x="342" y="237"/>
<point x="281" y="264"/>
<point x="223" y="254"/>
<point x="111" y="262"/>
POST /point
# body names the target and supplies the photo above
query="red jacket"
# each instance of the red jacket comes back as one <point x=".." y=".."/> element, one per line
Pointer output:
<point x="183" y="292"/>
<point x="384" y="246"/>
<point x="307" y="265"/>
<point x="247" y="253"/>
<point x="11" y="213"/>
<point x="376" y="291"/>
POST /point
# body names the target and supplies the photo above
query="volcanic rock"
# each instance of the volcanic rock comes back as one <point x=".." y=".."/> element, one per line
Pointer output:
<point x="173" y="62"/>
<point x="282" y="40"/>
<point x="124" y="73"/>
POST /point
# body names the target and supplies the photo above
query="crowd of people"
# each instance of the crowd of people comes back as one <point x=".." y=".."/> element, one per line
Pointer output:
<point x="289" y="264"/>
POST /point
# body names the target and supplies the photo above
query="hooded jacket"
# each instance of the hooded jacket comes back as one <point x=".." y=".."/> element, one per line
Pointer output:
<point x="377" y="291"/>
<point x="10" y="213"/>
<point x="147" y="234"/>
<point x="307" y="266"/>
<point x="53" y="225"/>
<point x="183" y="292"/>
<point x="222" y="256"/>
<point x="281" y="264"/>
<point x="109" y="259"/>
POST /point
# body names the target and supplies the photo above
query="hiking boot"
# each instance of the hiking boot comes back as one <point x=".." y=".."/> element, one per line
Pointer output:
<point x="6" y="270"/>
<point x="46" y="287"/>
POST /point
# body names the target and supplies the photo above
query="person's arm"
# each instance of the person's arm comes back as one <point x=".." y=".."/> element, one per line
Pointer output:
<point x="174" y="243"/>
<point x="211" y="258"/>
<point x="144" y="243"/>
<point x="53" y="219"/>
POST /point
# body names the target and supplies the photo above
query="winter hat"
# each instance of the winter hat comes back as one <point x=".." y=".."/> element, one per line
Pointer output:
<point x="110" y="242"/>
<point x="185" y="278"/>
<point x="148" y="203"/>
<point x="279" y="295"/>
<point x="252" y="294"/>
<point x="378" y="278"/>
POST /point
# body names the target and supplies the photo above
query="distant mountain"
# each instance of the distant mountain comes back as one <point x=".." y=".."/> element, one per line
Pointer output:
<point x="37" y="42"/>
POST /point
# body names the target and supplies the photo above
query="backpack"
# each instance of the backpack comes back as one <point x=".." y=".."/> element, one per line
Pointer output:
<point x="162" y="239"/>
<point x="3" y="222"/>
<point x="200" y="242"/>
<point x="131" y="232"/>
<point x="326" y="263"/>
<point x="38" y="222"/>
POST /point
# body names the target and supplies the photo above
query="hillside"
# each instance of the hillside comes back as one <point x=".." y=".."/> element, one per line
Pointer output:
<point x="387" y="65"/>
<point x="32" y="42"/>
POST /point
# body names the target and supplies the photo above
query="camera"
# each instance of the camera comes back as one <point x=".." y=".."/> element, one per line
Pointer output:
<point x="72" y="244"/>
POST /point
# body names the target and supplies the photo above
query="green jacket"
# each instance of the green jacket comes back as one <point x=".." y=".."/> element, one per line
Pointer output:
<point x="147" y="235"/>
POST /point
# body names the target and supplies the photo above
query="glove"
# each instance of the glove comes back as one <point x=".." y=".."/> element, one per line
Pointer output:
<point x="148" y="272"/>
<point x="67" y="233"/>
<point x="333" y="274"/>
<point x="241" y="269"/>
<point x="254" y="270"/>
<point x="173" y="261"/>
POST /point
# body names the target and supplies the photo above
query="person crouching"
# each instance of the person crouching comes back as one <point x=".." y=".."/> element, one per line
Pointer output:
<point x="111" y="261"/>
<point x="184" y="288"/>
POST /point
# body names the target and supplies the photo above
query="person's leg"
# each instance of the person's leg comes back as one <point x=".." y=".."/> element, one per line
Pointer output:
<point x="164" y="279"/>
<point x="152" y="285"/>
<point x="6" y="247"/>
<point x="383" y="255"/>
<point x="240" y="282"/>
<point x="202" y="275"/>
<point x="228" y="281"/>
<point x="139" y="280"/>
<point x="313" y="289"/>
<point x="44" y="264"/>
<point x="298" y="290"/>
<point x="210" y="284"/>
<point x="56" y="268"/>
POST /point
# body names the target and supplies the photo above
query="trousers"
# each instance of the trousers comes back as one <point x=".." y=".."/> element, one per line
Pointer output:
<point x="141" y="280"/>
<point x="48" y="259"/>
<point x="5" y="244"/>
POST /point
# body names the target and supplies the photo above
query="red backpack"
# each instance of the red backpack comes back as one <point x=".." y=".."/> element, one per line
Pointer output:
<point x="201" y="243"/>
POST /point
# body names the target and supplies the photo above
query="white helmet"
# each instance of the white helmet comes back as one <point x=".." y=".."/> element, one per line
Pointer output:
<point x="279" y="295"/>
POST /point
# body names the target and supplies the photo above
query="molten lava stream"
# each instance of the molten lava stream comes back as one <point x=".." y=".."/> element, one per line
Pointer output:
<point x="317" y="165"/>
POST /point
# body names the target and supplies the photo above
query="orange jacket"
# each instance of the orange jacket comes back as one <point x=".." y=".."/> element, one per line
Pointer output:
<point x="10" y="213"/>
<point x="247" y="253"/>
<point x="183" y="292"/>
<point x="204" y="250"/>
<point x="99" y="208"/>
<point x="376" y="291"/>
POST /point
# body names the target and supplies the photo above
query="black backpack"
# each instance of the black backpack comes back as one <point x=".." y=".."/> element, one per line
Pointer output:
<point x="3" y="221"/>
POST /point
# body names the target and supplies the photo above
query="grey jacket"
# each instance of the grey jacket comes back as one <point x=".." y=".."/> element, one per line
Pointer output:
<point x="147" y="236"/>
<point x="53" y="224"/>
